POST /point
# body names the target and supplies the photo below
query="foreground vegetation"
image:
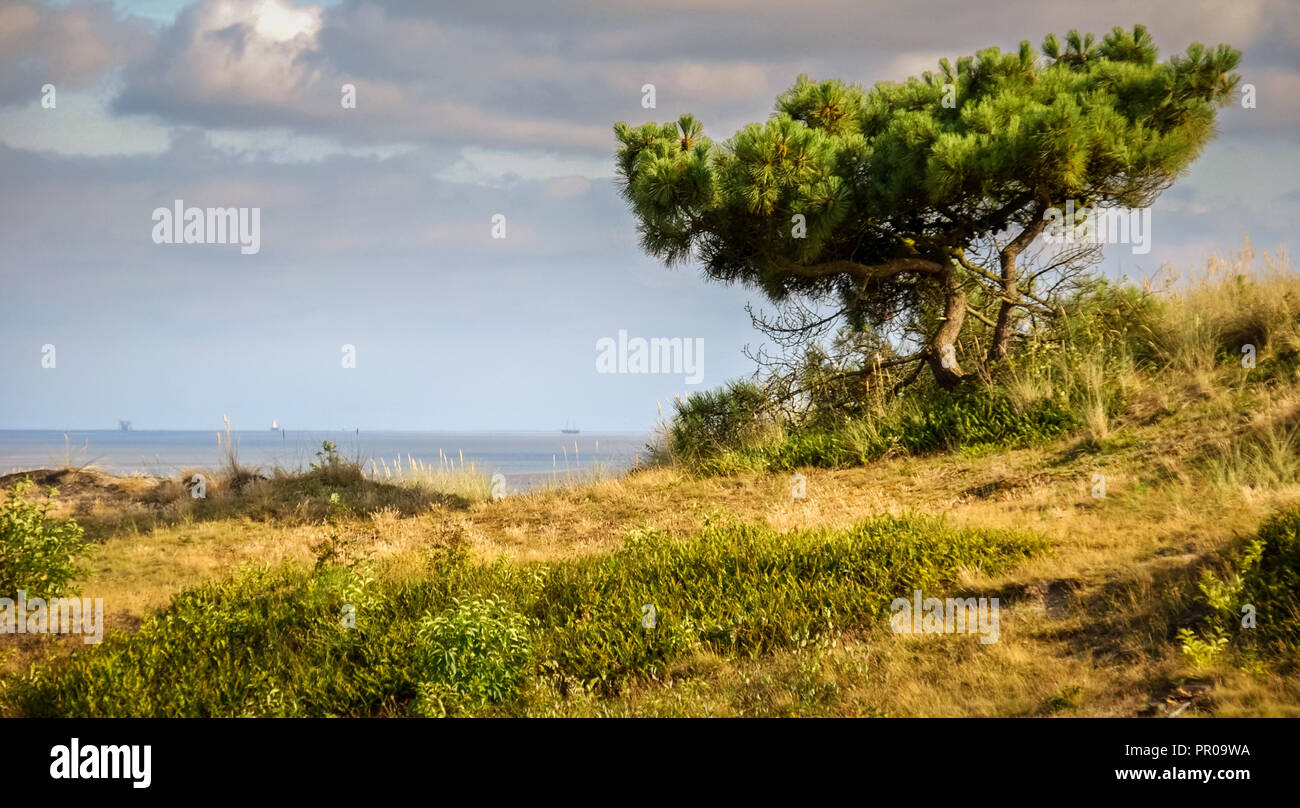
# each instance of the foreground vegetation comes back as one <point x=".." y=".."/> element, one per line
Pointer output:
<point x="1116" y="356"/>
<point x="769" y="544"/>
<point x="464" y="637"/>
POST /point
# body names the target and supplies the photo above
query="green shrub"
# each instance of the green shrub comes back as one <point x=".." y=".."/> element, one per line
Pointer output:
<point x="1111" y="319"/>
<point x="333" y="469"/>
<point x="981" y="419"/>
<point x="37" y="553"/>
<point x="1257" y="603"/>
<point x="744" y="589"/>
<point x="1271" y="580"/>
<point x="717" y="420"/>
<point x="1074" y="370"/>
<point x="973" y="419"/>
<point x="264" y="642"/>
<point x="469" y="638"/>
<point x="476" y="653"/>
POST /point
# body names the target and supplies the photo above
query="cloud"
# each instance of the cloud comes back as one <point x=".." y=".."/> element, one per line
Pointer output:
<point x="81" y="123"/>
<point x="226" y="56"/>
<point x="1277" y="104"/>
<point x="565" y="187"/>
<point x="376" y="220"/>
<point x="241" y="64"/>
<point x="68" y="46"/>
<point x="492" y="167"/>
<point x="550" y="78"/>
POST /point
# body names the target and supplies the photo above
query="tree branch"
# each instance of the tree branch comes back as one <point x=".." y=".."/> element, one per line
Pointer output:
<point x="980" y="317"/>
<point x="861" y="272"/>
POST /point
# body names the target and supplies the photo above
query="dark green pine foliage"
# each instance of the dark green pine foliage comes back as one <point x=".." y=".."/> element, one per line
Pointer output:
<point x="895" y="186"/>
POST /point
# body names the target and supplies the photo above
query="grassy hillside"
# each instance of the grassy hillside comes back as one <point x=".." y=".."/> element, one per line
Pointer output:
<point x="771" y="592"/>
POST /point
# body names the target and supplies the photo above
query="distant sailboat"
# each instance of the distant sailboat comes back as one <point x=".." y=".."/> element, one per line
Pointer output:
<point x="124" y="425"/>
<point x="569" y="429"/>
<point x="275" y="425"/>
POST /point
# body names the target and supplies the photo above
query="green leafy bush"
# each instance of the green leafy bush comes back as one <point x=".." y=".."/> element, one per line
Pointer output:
<point x="745" y="589"/>
<point x="981" y="419"/>
<point x="264" y="642"/>
<point x="332" y="468"/>
<point x="1257" y="602"/>
<point x="470" y="638"/>
<point x="974" y="419"/>
<point x="1270" y="575"/>
<point x="476" y="654"/>
<point x="37" y="553"/>
<point x="1112" y="319"/>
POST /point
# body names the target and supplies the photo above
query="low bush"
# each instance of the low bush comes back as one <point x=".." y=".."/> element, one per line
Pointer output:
<point x="970" y="420"/>
<point x="715" y="421"/>
<point x="37" y="553"/>
<point x="468" y="638"/>
<point x="475" y="653"/>
<point x="1256" y="604"/>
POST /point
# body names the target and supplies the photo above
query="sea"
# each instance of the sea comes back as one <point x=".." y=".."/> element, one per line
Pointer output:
<point x="525" y="459"/>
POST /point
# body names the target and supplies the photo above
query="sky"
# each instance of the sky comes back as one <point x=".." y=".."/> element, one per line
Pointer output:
<point x="376" y="222"/>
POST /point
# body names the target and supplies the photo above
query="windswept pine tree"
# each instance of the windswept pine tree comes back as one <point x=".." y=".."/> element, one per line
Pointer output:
<point x="908" y="207"/>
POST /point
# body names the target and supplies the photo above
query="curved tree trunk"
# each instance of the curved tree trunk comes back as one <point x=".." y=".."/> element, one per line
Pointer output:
<point x="1001" y="342"/>
<point x="941" y="355"/>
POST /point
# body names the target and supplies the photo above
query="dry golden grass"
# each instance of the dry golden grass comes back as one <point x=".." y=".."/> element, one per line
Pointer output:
<point x="1086" y="630"/>
<point x="1193" y="464"/>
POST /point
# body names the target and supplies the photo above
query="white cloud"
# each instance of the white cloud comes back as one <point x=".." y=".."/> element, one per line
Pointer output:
<point x="80" y="124"/>
<point x="494" y="168"/>
<point x="283" y="145"/>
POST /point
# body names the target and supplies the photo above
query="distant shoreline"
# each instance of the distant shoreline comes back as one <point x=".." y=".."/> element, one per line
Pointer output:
<point x="314" y="430"/>
<point x="517" y="454"/>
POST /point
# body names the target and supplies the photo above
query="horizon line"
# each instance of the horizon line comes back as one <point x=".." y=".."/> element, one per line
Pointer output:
<point x="503" y="430"/>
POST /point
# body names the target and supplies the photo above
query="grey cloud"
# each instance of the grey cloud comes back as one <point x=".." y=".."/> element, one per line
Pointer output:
<point x="555" y="76"/>
<point x="390" y="254"/>
<point x="69" y="46"/>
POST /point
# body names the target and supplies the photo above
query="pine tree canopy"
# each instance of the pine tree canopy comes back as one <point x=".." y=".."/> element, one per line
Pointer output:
<point x="896" y="184"/>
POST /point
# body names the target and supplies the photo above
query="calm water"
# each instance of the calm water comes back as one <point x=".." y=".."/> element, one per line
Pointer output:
<point x="525" y="458"/>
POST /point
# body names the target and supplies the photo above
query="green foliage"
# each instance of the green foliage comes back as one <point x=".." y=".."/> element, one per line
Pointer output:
<point x="338" y="546"/>
<point x="476" y="652"/>
<point x="328" y="457"/>
<point x="898" y="182"/>
<point x="973" y="419"/>
<point x="716" y="420"/>
<point x="1108" y="317"/>
<point x="469" y="638"/>
<point x="1271" y="580"/>
<point x="1068" y="698"/>
<point x="1203" y="651"/>
<point x="1075" y="373"/>
<point x="744" y="589"/>
<point x="333" y="469"/>
<point x="37" y="553"/>
<point x="265" y="642"/>
<point x="1285" y="367"/>
<point x="1257" y="603"/>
